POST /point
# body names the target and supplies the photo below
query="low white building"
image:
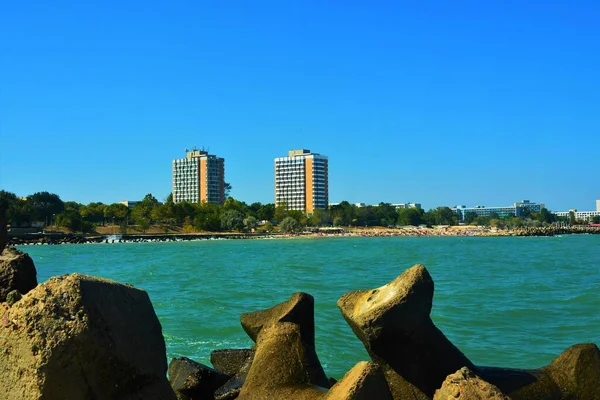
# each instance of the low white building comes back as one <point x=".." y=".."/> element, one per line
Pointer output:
<point x="579" y="215"/>
<point x="407" y="205"/>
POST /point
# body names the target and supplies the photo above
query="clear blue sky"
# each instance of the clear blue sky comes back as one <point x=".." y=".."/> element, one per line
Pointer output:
<point x="442" y="103"/>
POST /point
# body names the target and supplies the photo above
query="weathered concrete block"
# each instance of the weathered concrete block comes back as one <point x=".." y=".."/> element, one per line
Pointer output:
<point x="230" y="361"/>
<point x="80" y="337"/>
<point x="299" y="310"/>
<point x="465" y="385"/>
<point x="281" y="371"/>
<point x="233" y="387"/>
<point x="575" y="374"/>
<point x="365" y="381"/>
<point x="17" y="272"/>
<point x="192" y="380"/>
<point x="394" y="324"/>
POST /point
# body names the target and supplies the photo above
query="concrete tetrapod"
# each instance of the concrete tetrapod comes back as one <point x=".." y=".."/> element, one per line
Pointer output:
<point x="465" y="385"/>
<point x="393" y="323"/>
<point x="281" y="370"/>
<point x="575" y="374"/>
<point x="192" y="380"/>
<point x="299" y="310"/>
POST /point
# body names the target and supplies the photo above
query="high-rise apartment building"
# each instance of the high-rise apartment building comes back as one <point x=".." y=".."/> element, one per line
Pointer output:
<point x="301" y="181"/>
<point x="199" y="177"/>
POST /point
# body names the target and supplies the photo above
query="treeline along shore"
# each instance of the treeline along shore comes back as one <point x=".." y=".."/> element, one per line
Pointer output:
<point x="69" y="238"/>
<point x="46" y="211"/>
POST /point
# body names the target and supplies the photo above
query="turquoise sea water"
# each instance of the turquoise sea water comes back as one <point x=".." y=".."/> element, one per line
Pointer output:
<point x="504" y="301"/>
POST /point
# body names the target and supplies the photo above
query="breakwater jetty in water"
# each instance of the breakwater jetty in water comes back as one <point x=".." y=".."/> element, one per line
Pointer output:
<point x="62" y="238"/>
<point x="80" y="337"/>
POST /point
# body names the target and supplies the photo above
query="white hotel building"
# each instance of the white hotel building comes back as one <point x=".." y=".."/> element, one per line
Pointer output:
<point x="199" y="177"/>
<point x="301" y="181"/>
<point x="581" y="215"/>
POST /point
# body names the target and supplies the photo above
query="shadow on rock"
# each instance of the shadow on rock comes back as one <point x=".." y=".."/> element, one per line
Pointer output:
<point x="394" y="324"/>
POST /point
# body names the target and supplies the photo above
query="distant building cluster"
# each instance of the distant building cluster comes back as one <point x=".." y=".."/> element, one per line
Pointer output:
<point x="301" y="179"/>
<point x="301" y="183"/>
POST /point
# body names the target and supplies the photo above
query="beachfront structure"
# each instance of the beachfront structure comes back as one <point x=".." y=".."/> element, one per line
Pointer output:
<point x="406" y="205"/>
<point x="598" y="205"/>
<point x="199" y="177"/>
<point x="579" y="215"/>
<point x="516" y="210"/>
<point x="301" y="181"/>
<point x="129" y="203"/>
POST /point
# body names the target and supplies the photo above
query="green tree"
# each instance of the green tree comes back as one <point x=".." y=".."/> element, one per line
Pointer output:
<point x="320" y="218"/>
<point x="345" y="213"/>
<point x="44" y="204"/>
<point x="266" y="212"/>
<point x="281" y="212"/>
<point x="410" y="216"/>
<point x="386" y="214"/>
<point x="207" y="217"/>
<point x="596" y="219"/>
<point x="93" y="212"/>
<point x="226" y="189"/>
<point x="546" y="216"/>
<point x="469" y="217"/>
<point x="233" y="204"/>
<point x="184" y="209"/>
<point x="143" y="224"/>
<point x="232" y="220"/>
<point x="367" y="216"/>
<point x="8" y="202"/>
<point x="143" y="209"/>
<point x="289" y="225"/>
<point x="116" y="211"/>
<point x="481" y="221"/>
<point x="71" y="217"/>
<point x="250" y="223"/>
<point x="298" y="216"/>
<point x="441" y="216"/>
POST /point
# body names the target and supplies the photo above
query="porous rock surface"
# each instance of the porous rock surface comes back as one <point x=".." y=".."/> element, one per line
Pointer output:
<point x="465" y="385"/>
<point x="280" y="370"/>
<point x="230" y="361"/>
<point x="394" y="324"/>
<point x="235" y="362"/>
<point x="192" y="380"/>
<point x="17" y="272"/>
<point x="298" y="310"/>
<point x="574" y="374"/>
<point x="232" y="388"/>
<point x="81" y="337"/>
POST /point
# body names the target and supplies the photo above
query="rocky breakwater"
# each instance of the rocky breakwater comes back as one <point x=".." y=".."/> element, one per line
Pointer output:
<point x="410" y="357"/>
<point x="78" y="337"/>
